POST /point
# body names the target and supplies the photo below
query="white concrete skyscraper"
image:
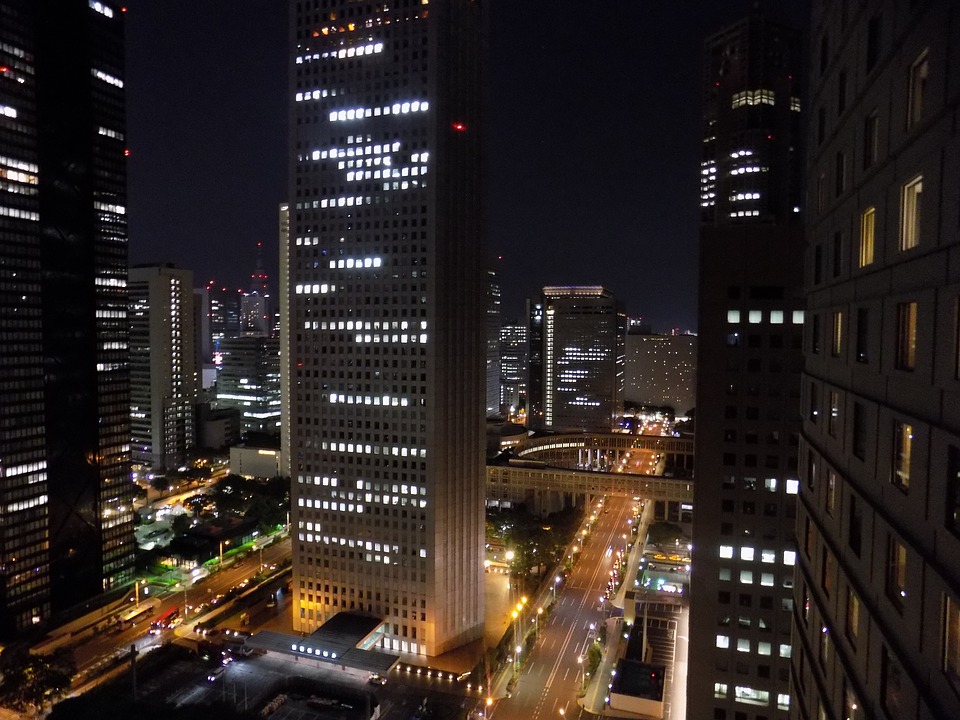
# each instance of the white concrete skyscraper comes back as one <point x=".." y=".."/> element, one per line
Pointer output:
<point x="386" y="319"/>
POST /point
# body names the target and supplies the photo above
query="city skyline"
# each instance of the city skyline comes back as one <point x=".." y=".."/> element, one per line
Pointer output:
<point x="207" y="134"/>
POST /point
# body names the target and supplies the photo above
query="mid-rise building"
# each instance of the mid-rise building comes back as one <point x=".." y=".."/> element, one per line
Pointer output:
<point x="513" y="368"/>
<point x="163" y="373"/>
<point x="386" y="311"/>
<point x="534" y="316"/>
<point x="661" y="370"/>
<point x="249" y="381"/>
<point x="877" y="613"/>
<point x="583" y="358"/>
<point x="65" y="488"/>
<point x="748" y="377"/>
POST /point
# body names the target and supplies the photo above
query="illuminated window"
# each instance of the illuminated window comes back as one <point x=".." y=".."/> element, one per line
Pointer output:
<point x="720" y="691"/>
<point x="723" y="641"/>
<point x="836" y="344"/>
<point x="833" y="412"/>
<point x="906" y="357"/>
<point x="893" y="686"/>
<point x="902" y="450"/>
<point x="910" y="199"/>
<point x="851" y="705"/>
<point x="853" y="616"/>
<point x="867" y="228"/>
<point x="916" y="88"/>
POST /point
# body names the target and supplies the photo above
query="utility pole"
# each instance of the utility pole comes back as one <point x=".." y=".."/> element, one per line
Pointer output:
<point x="133" y="668"/>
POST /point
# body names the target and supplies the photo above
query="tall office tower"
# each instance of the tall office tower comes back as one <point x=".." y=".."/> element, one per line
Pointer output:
<point x="534" y="315"/>
<point x="493" y="343"/>
<point x="877" y="619"/>
<point x="387" y="302"/>
<point x="225" y="314"/>
<point x="255" y="316"/>
<point x="64" y="437"/>
<point x="164" y="376"/>
<point x="748" y="381"/>
<point x="583" y="358"/>
<point x="513" y="367"/>
<point x="661" y="370"/>
<point x="283" y="306"/>
<point x="249" y="381"/>
<point x="751" y="164"/>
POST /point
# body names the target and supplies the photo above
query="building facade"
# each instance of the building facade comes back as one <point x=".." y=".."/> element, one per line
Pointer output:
<point x="583" y="358"/>
<point x="64" y="436"/>
<point x="513" y="368"/>
<point x="877" y="613"/>
<point x="493" y="343"/>
<point x="164" y="377"/>
<point x="748" y="377"/>
<point x="249" y="381"/>
<point x="387" y="299"/>
<point x="661" y="370"/>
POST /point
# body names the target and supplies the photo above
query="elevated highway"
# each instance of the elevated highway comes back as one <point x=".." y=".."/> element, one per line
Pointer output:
<point x="552" y="472"/>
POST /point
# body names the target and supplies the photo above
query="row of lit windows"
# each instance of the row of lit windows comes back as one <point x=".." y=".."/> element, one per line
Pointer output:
<point x="755" y="317"/>
<point x="353" y="51"/>
<point x="395" y="109"/>
<point x="751" y="696"/>
<point x="748" y="554"/>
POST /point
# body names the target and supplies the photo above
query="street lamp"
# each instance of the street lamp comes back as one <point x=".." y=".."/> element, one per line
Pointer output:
<point x="222" y="543"/>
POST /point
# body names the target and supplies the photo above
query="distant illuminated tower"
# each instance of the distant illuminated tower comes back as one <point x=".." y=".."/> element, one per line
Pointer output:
<point x="493" y="343"/>
<point x="386" y="311"/>
<point x="163" y="372"/>
<point x="513" y="366"/>
<point x="255" y="316"/>
<point x="583" y="354"/>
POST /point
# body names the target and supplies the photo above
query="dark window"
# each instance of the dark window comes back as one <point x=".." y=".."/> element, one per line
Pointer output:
<point x="855" y="526"/>
<point x="840" y="175"/>
<point x="859" y="431"/>
<point x="821" y="124"/>
<point x="815" y="334"/>
<point x="814" y="400"/>
<point x="871" y="139"/>
<point x="892" y="686"/>
<point x="817" y="264"/>
<point x="837" y="253"/>
<point x="874" y="37"/>
<point x="841" y="92"/>
<point x="863" y="331"/>
<point x="896" y="579"/>
<point x="953" y="489"/>
<point x="824" y="53"/>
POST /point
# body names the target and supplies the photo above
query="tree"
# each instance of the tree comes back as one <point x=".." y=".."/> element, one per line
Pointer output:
<point x="31" y="681"/>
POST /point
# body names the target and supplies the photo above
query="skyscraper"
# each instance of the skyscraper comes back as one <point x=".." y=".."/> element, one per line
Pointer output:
<point x="583" y="358"/>
<point x="748" y="376"/>
<point x="877" y="619"/>
<point x="387" y="299"/>
<point x="493" y="343"/>
<point x="513" y="367"/>
<point x="164" y="377"/>
<point x="249" y="381"/>
<point x="65" y="433"/>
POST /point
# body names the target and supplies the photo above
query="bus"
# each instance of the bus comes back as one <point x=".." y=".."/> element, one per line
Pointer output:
<point x="165" y="621"/>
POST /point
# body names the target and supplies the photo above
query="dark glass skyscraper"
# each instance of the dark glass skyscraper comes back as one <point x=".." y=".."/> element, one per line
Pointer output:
<point x="386" y="319"/>
<point x="65" y="431"/>
<point x="748" y="376"/>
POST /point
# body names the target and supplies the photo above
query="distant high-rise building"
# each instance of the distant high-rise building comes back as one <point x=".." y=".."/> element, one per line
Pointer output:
<point x="249" y="381"/>
<point x="877" y="617"/>
<point x="284" y="335"/>
<point x="493" y="343"/>
<point x="387" y="303"/>
<point x="661" y="370"/>
<point x="583" y="354"/>
<point x="513" y="367"/>
<point x="225" y="314"/>
<point x="748" y="376"/>
<point x="65" y="488"/>
<point x="256" y="317"/>
<point x="534" y="316"/>
<point x="163" y="373"/>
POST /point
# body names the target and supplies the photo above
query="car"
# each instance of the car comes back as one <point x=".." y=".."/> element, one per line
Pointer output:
<point x="215" y="673"/>
<point x="376" y="679"/>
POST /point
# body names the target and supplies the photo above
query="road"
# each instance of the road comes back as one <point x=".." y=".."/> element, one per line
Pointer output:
<point x="99" y="648"/>
<point x="551" y="677"/>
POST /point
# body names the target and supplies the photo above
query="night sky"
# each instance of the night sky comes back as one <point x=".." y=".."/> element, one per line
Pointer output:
<point x="593" y="141"/>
